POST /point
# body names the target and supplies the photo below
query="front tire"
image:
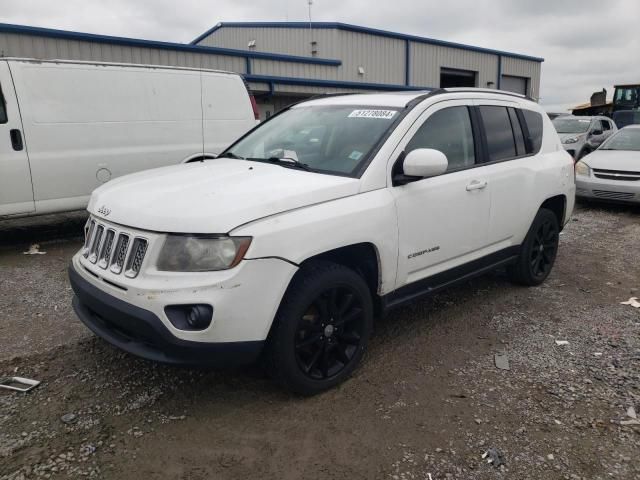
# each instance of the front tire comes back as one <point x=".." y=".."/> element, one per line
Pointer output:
<point x="538" y="252"/>
<point x="321" y="330"/>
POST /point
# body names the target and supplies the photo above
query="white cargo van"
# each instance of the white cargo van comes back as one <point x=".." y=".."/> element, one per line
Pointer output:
<point x="68" y="127"/>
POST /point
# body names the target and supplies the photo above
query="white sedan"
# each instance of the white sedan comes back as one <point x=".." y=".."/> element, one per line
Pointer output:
<point x="612" y="172"/>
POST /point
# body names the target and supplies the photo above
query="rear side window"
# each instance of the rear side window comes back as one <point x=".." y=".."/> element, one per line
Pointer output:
<point x="497" y="125"/>
<point x="533" y="121"/>
<point x="518" y="136"/>
<point x="604" y="125"/>
<point x="449" y="131"/>
<point x="3" y="108"/>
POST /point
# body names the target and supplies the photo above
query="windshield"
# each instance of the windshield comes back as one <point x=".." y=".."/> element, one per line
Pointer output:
<point x="571" y="125"/>
<point x="625" y="139"/>
<point x="328" y="139"/>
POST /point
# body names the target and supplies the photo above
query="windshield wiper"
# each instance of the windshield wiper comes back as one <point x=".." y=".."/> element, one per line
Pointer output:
<point x="284" y="161"/>
<point x="231" y="155"/>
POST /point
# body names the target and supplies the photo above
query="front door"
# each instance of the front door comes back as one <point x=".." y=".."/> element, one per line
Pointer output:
<point x="16" y="191"/>
<point x="442" y="221"/>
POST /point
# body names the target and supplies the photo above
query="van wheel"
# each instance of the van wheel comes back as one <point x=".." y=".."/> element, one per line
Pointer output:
<point x="321" y="329"/>
<point x="538" y="252"/>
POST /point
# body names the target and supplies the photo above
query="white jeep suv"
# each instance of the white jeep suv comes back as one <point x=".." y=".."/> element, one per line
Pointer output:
<point x="335" y="210"/>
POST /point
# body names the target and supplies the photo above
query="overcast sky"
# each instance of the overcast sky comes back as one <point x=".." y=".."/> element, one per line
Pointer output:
<point x="587" y="44"/>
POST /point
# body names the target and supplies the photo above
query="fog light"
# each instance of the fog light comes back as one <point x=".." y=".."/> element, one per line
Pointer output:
<point x="199" y="317"/>
<point x="190" y="317"/>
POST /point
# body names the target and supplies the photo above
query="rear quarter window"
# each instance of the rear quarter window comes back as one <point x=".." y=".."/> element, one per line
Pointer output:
<point x="533" y="121"/>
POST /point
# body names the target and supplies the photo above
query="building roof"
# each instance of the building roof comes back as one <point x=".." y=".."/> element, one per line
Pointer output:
<point x="366" y="30"/>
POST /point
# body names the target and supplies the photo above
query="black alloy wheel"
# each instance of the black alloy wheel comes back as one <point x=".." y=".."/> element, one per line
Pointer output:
<point x="545" y="246"/>
<point x="330" y="332"/>
<point x="538" y="251"/>
<point x="321" y="329"/>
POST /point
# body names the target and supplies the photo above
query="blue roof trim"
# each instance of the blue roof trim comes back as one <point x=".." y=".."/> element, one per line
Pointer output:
<point x="201" y="37"/>
<point x="370" y="31"/>
<point x="135" y="42"/>
<point x="311" y="82"/>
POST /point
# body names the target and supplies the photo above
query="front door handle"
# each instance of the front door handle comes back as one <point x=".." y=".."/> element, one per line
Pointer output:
<point x="476" y="185"/>
<point x="16" y="139"/>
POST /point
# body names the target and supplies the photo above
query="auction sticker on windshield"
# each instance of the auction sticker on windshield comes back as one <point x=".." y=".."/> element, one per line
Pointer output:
<point x="384" y="114"/>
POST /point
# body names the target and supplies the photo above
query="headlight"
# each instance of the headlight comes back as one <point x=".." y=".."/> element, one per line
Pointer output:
<point x="185" y="253"/>
<point x="571" y="140"/>
<point x="583" y="169"/>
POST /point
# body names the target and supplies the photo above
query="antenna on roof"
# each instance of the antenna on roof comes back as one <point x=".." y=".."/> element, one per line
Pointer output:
<point x="314" y="44"/>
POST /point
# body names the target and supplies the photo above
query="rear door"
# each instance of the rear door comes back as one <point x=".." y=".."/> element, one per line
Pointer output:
<point x="16" y="191"/>
<point x="511" y="149"/>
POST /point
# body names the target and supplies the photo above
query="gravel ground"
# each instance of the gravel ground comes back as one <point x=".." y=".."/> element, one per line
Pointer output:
<point x="427" y="403"/>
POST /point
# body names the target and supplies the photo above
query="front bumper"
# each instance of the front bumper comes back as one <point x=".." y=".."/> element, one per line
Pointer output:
<point x="141" y="333"/>
<point x="131" y="313"/>
<point x="607" y="190"/>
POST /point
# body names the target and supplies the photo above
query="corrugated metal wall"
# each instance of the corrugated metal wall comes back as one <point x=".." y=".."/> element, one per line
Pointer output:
<point x="523" y="68"/>
<point x="427" y="60"/>
<point x="291" y="41"/>
<point x="23" y="45"/>
<point x="383" y="58"/>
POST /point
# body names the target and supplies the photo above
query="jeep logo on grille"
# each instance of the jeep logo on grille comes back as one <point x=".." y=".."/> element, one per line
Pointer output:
<point x="103" y="210"/>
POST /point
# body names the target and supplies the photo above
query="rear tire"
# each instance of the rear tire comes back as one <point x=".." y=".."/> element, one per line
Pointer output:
<point x="321" y="330"/>
<point x="538" y="252"/>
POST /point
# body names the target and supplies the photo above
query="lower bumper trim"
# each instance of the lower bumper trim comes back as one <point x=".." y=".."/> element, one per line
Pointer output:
<point x="141" y="333"/>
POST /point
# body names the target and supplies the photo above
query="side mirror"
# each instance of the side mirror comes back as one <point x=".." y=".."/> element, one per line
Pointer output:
<point x="425" y="162"/>
<point x="597" y="132"/>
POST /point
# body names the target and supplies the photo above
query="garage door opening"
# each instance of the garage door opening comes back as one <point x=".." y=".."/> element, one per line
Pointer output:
<point x="451" y="77"/>
<point x="515" y="84"/>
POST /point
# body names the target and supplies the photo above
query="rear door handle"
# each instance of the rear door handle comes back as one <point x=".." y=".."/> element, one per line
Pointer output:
<point x="476" y="185"/>
<point x="16" y="139"/>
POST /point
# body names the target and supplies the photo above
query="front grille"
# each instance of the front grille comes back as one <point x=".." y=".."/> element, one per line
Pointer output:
<point x="613" y="195"/>
<point x="113" y="249"/>
<point x="617" y="175"/>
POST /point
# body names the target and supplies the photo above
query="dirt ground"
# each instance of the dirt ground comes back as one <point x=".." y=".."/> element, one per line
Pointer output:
<point x="426" y="404"/>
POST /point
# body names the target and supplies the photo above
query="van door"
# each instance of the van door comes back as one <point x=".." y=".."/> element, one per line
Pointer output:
<point x="16" y="191"/>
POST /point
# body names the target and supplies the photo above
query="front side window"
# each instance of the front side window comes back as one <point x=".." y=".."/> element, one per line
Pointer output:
<point x="625" y="139"/>
<point x="449" y="131"/>
<point x="604" y="125"/>
<point x="500" y="142"/>
<point x="327" y="139"/>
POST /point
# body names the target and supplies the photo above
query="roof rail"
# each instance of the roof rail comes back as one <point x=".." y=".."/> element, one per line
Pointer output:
<point x="488" y="90"/>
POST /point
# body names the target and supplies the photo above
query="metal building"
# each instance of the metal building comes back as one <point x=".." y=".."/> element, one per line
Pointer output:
<point x="286" y="61"/>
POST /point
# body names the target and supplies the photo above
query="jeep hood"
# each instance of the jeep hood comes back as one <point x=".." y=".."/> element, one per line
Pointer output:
<point x="214" y="196"/>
